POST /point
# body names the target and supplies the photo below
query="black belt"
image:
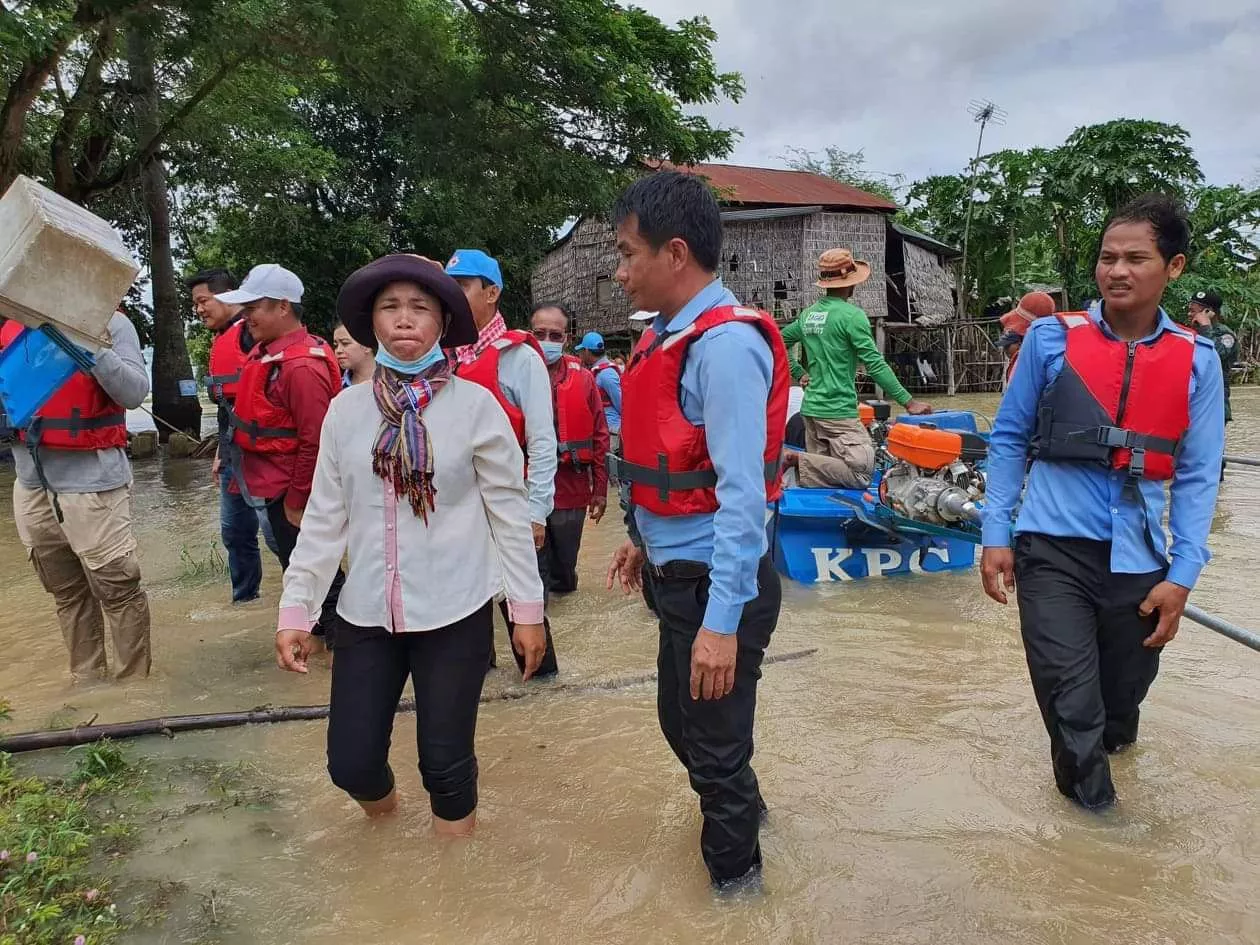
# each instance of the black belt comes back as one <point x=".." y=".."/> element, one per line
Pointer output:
<point x="664" y="481"/>
<point x="678" y="570"/>
<point x="255" y="432"/>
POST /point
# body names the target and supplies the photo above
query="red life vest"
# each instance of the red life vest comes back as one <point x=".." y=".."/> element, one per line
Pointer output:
<point x="596" y="372"/>
<point x="485" y="371"/>
<point x="226" y="361"/>
<point x="666" y="457"/>
<point x="575" y="424"/>
<point x="258" y="425"/>
<point x="1124" y="405"/>
<point x="79" y="416"/>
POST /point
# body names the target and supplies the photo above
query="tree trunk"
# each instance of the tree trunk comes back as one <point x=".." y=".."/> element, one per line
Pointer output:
<point x="174" y="389"/>
<point x="1015" y="293"/>
<point x="21" y="95"/>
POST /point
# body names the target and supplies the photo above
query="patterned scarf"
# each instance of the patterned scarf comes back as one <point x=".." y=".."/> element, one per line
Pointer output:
<point x="403" y="454"/>
<point x="495" y="329"/>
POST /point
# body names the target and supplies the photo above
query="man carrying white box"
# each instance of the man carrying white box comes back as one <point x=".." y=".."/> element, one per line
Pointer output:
<point x="72" y="506"/>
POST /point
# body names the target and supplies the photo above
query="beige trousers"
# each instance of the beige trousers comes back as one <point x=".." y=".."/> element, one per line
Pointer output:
<point x="88" y="563"/>
<point x="838" y="454"/>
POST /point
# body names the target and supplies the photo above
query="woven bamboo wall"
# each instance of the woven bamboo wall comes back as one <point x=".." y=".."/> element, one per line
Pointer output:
<point x="929" y="282"/>
<point x="863" y="234"/>
<point x="768" y="263"/>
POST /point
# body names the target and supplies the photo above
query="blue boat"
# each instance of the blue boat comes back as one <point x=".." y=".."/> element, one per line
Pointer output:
<point x="827" y="535"/>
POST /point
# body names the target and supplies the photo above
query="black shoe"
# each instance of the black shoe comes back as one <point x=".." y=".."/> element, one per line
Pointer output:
<point x="1120" y="748"/>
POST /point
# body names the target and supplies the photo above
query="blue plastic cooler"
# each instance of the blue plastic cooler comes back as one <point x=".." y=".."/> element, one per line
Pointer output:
<point x="33" y="368"/>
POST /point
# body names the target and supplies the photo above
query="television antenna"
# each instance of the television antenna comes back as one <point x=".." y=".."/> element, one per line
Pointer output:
<point x="984" y="113"/>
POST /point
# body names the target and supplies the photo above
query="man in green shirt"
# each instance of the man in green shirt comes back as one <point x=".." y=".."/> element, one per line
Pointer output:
<point x="836" y="335"/>
<point x="1205" y="315"/>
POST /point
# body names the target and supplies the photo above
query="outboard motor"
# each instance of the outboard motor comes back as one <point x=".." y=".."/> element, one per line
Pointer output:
<point x="934" y="476"/>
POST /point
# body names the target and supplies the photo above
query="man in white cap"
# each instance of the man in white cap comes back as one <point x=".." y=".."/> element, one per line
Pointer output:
<point x="285" y="387"/>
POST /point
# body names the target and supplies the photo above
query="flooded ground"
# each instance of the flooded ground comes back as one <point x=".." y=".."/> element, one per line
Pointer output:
<point x="905" y="766"/>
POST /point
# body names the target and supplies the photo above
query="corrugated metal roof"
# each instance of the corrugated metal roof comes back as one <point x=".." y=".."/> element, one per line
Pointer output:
<point x="773" y="213"/>
<point x="766" y="186"/>
<point x="927" y="242"/>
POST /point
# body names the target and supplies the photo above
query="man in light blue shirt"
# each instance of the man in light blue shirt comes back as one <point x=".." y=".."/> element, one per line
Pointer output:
<point x="1099" y="590"/>
<point x="705" y="404"/>
<point x="590" y="350"/>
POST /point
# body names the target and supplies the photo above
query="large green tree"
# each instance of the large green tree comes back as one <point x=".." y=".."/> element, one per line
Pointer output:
<point x="476" y="125"/>
<point x="322" y="132"/>
<point x="1038" y="214"/>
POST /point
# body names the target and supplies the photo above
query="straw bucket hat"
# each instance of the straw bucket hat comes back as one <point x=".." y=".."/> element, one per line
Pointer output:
<point x="358" y="294"/>
<point x="837" y="269"/>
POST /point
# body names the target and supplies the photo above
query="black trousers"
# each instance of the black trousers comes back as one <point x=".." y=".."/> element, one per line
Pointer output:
<point x="447" y="669"/>
<point x="564" y="541"/>
<point x="286" y="534"/>
<point x="548" y="666"/>
<point x="1083" y="641"/>
<point x="714" y="739"/>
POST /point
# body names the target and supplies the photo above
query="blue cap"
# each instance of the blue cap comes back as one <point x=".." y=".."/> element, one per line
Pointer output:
<point x="475" y="262"/>
<point x="591" y="341"/>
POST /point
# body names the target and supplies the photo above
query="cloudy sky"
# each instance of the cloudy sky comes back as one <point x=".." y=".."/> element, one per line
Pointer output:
<point x="893" y="77"/>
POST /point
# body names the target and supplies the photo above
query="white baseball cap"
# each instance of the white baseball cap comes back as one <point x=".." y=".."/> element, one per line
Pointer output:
<point x="643" y="316"/>
<point x="268" y="281"/>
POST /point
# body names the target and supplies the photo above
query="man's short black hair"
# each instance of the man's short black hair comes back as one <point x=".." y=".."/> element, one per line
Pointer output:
<point x="558" y="306"/>
<point x="673" y="205"/>
<point x="1167" y="218"/>
<point x="216" y="280"/>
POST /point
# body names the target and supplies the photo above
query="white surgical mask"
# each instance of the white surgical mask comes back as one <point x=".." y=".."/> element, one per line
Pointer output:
<point x="552" y="350"/>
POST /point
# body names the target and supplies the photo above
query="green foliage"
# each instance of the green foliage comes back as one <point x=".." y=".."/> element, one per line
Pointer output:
<point x="50" y="833"/>
<point x="437" y="126"/>
<point x="200" y="338"/>
<point x="848" y="167"/>
<point x="1038" y="215"/>
<point x="321" y="133"/>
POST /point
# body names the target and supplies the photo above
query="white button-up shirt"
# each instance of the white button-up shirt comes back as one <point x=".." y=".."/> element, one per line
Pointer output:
<point x="403" y="575"/>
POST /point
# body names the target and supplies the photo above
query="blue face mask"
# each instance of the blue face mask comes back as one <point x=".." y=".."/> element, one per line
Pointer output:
<point x="552" y="350"/>
<point x="386" y="359"/>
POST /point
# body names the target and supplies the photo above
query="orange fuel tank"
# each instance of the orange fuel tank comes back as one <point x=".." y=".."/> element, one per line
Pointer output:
<point x="925" y="447"/>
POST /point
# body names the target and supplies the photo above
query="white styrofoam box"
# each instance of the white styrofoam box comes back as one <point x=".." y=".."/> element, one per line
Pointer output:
<point x="60" y="263"/>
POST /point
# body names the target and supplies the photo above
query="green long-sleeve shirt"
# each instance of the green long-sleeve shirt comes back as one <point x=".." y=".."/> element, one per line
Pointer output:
<point x="836" y="334"/>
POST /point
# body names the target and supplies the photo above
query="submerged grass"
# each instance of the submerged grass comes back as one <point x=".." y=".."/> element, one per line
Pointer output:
<point x="62" y="838"/>
<point x="54" y="832"/>
<point x="199" y="569"/>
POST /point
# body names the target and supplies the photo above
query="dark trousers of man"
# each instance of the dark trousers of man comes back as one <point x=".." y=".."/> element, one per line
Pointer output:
<point x="564" y="541"/>
<point x="286" y="535"/>
<point x="714" y="738"/>
<point x="1083" y="640"/>
<point x="447" y="669"/>
<point x="548" y="666"/>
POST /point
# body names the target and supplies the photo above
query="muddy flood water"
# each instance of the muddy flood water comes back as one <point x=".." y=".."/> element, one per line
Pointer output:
<point x="905" y="766"/>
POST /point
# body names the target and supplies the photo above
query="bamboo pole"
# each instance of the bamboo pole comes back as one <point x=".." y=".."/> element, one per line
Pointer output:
<point x="86" y="734"/>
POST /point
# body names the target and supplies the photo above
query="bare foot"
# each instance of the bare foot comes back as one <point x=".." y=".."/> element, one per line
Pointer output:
<point x="383" y="808"/>
<point x="455" y="828"/>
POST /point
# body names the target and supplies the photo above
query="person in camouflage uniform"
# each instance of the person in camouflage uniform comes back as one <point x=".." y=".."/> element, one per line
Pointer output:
<point x="1205" y="314"/>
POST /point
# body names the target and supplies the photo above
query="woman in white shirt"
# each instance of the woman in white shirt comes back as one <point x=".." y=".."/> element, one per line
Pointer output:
<point x="420" y="480"/>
